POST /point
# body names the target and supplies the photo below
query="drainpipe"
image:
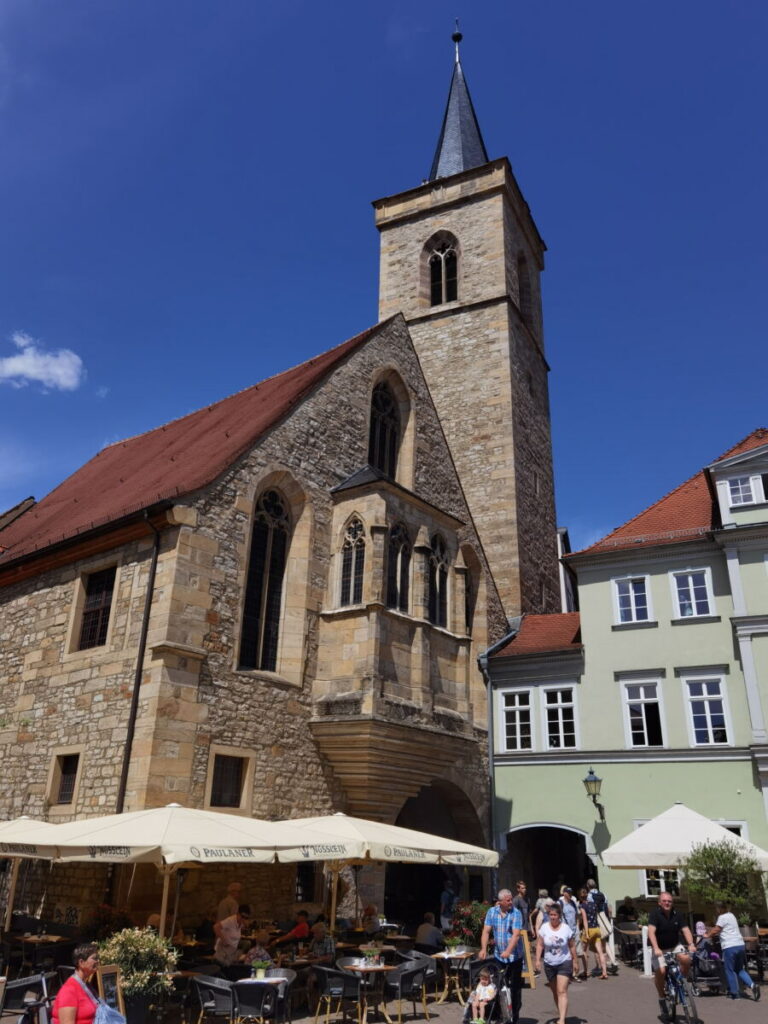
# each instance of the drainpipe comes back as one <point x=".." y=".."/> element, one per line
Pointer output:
<point x="482" y="661"/>
<point x="139" y="666"/>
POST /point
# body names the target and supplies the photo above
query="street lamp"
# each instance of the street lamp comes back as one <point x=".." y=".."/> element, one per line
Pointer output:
<point x="592" y="784"/>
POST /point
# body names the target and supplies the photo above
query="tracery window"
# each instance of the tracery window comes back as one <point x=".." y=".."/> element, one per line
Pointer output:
<point x="353" y="563"/>
<point x="437" y="606"/>
<point x="264" y="584"/>
<point x="384" y="438"/>
<point x="398" y="568"/>
<point x="443" y="274"/>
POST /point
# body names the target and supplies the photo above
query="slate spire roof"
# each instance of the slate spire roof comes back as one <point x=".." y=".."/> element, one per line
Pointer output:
<point x="460" y="145"/>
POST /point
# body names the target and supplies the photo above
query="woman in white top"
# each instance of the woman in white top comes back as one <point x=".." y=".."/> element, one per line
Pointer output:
<point x="726" y="929"/>
<point x="557" y="943"/>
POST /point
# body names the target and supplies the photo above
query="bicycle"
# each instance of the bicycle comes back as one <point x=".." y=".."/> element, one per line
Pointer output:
<point x="677" y="989"/>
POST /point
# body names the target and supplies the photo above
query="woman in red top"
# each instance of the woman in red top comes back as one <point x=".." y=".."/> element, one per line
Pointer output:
<point x="73" y="1005"/>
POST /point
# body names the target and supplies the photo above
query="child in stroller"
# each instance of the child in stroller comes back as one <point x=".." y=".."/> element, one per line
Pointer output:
<point x="483" y="994"/>
<point x="707" y="968"/>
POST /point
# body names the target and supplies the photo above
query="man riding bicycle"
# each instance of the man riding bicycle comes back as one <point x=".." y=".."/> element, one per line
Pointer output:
<point x="665" y="928"/>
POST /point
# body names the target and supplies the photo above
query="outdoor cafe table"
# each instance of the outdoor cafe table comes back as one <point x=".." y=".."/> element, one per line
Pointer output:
<point x="377" y="974"/>
<point x="451" y="963"/>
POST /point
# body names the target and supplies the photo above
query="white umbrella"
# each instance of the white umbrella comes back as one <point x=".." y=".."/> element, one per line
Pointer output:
<point x="667" y="840"/>
<point x="172" y="835"/>
<point x="391" y="843"/>
<point x="379" y="841"/>
<point x="24" y="837"/>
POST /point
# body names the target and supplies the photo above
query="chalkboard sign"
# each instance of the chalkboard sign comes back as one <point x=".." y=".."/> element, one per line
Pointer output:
<point x="108" y="979"/>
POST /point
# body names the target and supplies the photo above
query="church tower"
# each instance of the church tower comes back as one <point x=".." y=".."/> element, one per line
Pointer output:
<point x="461" y="258"/>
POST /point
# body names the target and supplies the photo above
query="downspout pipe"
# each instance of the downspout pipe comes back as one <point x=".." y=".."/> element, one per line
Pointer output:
<point x="482" y="661"/>
<point x="133" y="713"/>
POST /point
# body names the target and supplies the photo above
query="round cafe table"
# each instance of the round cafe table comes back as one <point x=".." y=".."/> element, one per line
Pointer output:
<point x="376" y="972"/>
<point x="452" y="962"/>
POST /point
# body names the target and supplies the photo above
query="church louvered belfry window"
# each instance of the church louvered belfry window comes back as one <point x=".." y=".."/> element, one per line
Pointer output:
<point x="264" y="584"/>
<point x="384" y="438"/>
<point x="443" y="274"/>
<point x="353" y="563"/>
<point x="398" y="568"/>
<point x="437" y="606"/>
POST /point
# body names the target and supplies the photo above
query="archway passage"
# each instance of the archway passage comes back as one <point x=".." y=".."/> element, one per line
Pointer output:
<point x="546" y="857"/>
<point x="410" y="890"/>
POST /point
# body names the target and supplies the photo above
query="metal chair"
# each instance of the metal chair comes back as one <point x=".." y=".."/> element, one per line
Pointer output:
<point x="284" y="1003"/>
<point x="254" y="1001"/>
<point x="432" y="977"/>
<point x="214" y="997"/>
<point x="408" y="981"/>
<point x="26" y="1000"/>
<point x="341" y="987"/>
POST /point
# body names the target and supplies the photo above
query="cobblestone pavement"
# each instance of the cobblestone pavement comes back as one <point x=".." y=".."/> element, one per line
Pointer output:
<point x="627" y="997"/>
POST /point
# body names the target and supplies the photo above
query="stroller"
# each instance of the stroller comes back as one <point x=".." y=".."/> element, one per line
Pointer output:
<point x="707" y="971"/>
<point x="492" y="1010"/>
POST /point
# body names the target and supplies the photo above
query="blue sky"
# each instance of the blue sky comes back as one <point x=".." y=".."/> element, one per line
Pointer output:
<point x="186" y="190"/>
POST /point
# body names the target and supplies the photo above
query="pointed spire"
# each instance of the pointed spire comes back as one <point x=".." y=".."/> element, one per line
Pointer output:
<point x="460" y="145"/>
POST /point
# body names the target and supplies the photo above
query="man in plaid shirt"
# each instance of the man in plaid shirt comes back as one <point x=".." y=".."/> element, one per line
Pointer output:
<point x="506" y="924"/>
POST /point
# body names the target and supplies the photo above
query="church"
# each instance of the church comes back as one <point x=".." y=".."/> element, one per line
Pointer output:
<point x="275" y="605"/>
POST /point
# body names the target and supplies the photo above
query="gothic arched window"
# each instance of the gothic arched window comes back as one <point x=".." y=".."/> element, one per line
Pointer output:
<point x="437" y="606"/>
<point x="384" y="438"/>
<point x="398" y="568"/>
<point x="353" y="563"/>
<point x="443" y="274"/>
<point x="264" y="583"/>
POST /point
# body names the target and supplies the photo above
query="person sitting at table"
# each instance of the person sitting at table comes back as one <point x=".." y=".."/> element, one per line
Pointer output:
<point x="429" y="938"/>
<point x="153" y="921"/>
<point x="229" y="932"/>
<point x="371" y="922"/>
<point x="299" y="932"/>
<point x="626" y="911"/>
<point x="322" y="950"/>
<point x="258" y="950"/>
<point x="205" y="930"/>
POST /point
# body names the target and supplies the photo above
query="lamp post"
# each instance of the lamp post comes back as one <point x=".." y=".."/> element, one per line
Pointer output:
<point x="592" y="784"/>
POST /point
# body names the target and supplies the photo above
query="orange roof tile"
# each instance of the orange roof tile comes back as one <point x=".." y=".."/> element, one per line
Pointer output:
<point x="539" y="634"/>
<point x="169" y="461"/>
<point x="688" y="512"/>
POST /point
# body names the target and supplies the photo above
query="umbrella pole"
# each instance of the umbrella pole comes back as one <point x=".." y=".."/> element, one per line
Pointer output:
<point x="12" y="892"/>
<point x="334" y="897"/>
<point x="164" y="904"/>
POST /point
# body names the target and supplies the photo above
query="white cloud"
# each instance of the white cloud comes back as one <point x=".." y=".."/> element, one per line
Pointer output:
<point x="102" y="391"/>
<point x="61" y="370"/>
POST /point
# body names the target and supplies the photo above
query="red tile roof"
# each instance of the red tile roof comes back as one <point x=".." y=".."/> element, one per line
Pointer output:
<point x="169" y="461"/>
<point x="539" y="634"/>
<point x="687" y="513"/>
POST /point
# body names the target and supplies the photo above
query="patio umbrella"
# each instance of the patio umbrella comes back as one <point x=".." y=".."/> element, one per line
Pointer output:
<point x="19" y="838"/>
<point x="666" y="841"/>
<point x="173" y="835"/>
<point x="391" y="843"/>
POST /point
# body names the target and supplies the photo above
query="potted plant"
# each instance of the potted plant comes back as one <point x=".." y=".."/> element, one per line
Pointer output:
<point x="259" y="968"/>
<point x="746" y="927"/>
<point x="146" y="962"/>
<point x="468" y="920"/>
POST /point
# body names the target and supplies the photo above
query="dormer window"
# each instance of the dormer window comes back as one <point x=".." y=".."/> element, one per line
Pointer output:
<point x="748" y="490"/>
<point x="443" y="274"/>
<point x="384" y="437"/>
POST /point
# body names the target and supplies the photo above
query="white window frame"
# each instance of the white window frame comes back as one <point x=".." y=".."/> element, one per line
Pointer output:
<point x="757" y="490"/>
<point x="503" y="694"/>
<point x="549" y="688"/>
<point x="625" y="700"/>
<point x="665" y="875"/>
<point x="616" y="606"/>
<point x="701" y="677"/>
<point x="707" y="583"/>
